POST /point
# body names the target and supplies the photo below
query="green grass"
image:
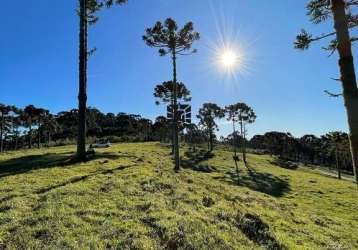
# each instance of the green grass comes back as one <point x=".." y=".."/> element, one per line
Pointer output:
<point x="129" y="197"/>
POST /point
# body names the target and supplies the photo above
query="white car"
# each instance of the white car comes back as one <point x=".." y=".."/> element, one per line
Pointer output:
<point x="101" y="144"/>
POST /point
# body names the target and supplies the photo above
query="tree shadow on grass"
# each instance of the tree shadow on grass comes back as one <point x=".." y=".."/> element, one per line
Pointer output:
<point x="28" y="163"/>
<point x="194" y="161"/>
<point x="260" y="182"/>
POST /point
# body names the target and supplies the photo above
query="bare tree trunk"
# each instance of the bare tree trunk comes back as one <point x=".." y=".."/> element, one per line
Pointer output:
<point x="173" y="125"/>
<point x="338" y="167"/>
<point x="39" y="135"/>
<point x="175" y="115"/>
<point x="244" y="144"/>
<point x="234" y="143"/>
<point x="234" y="139"/>
<point x="16" y="140"/>
<point x="49" y="138"/>
<point x="30" y="135"/>
<point x="211" y="140"/>
<point x="209" y="143"/>
<point x="348" y="77"/>
<point x="243" y="141"/>
<point x="82" y="96"/>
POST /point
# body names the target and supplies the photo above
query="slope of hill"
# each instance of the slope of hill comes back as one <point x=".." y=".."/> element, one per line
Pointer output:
<point x="128" y="197"/>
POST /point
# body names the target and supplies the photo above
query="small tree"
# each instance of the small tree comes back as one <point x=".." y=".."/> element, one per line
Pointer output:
<point x="194" y="136"/>
<point x="169" y="39"/>
<point x="161" y="128"/>
<point x="243" y="114"/>
<point x="50" y="126"/>
<point x="40" y="115"/>
<point x="207" y="115"/>
<point x="16" y="123"/>
<point x="336" y="142"/>
<point x="341" y="11"/>
<point x="29" y="117"/>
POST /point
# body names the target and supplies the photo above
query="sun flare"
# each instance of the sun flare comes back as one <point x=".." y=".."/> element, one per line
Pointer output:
<point x="229" y="59"/>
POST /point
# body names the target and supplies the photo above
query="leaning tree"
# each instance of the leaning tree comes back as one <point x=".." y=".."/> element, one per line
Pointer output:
<point x="207" y="115"/>
<point x="169" y="39"/>
<point x="343" y="14"/>
<point x="243" y="114"/>
<point x="87" y="13"/>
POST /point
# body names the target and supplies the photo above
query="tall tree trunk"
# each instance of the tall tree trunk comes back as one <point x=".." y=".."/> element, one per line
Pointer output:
<point x="16" y="140"/>
<point x="49" y="138"/>
<point x="173" y="132"/>
<point x="39" y="135"/>
<point x="211" y="140"/>
<point x="2" y="132"/>
<point x="82" y="96"/>
<point x="243" y="132"/>
<point x="338" y="167"/>
<point x="30" y="134"/>
<point x="243" y="141"/>
<point x="234" y="143"/>
<point x="348" y="77"/>
<point x="175" y="115"/>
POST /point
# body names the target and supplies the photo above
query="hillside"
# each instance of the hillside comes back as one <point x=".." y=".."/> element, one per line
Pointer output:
<point x="128" y="197"/>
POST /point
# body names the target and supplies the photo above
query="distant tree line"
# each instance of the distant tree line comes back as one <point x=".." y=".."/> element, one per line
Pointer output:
<point x="331" y="150"/>
<point x="35" y="127"/>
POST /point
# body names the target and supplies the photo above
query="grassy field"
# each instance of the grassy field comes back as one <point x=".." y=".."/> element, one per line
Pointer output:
<point x="128" y="197"/>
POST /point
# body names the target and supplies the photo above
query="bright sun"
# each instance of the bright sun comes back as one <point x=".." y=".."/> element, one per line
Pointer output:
<point x="229" y="59"/>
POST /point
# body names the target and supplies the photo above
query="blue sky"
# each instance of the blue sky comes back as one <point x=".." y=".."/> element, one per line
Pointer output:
<point x="39" y="53"/>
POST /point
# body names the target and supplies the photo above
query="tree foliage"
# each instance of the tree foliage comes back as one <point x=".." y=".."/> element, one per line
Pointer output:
<point x="207" y="115"/>
<point x="164" y="92"/>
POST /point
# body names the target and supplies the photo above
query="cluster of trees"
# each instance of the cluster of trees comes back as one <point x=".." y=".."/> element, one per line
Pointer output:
<point x="331" y="150"/>
<point x="32" y="126"/>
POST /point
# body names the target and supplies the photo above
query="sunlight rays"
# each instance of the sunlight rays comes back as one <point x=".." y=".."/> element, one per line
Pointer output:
<point x="231" y="52"/>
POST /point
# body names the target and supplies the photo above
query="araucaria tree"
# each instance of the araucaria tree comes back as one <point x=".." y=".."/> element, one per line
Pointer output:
<point x="344" y="19"/>
<point x="87" y="14"/>
<point x="335" y="141"/>
<point x="29" y="117"/>
<point x="169" y="39"/>
<point x="164" y="92"/>
<point x="207" y="115"/>
<point x="243" y="114"/>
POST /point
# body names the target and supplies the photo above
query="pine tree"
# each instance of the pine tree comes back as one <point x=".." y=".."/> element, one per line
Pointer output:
<point x="169" y="39"/>
<point x="207" y="115"/>
<point x="243" y="114"/>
